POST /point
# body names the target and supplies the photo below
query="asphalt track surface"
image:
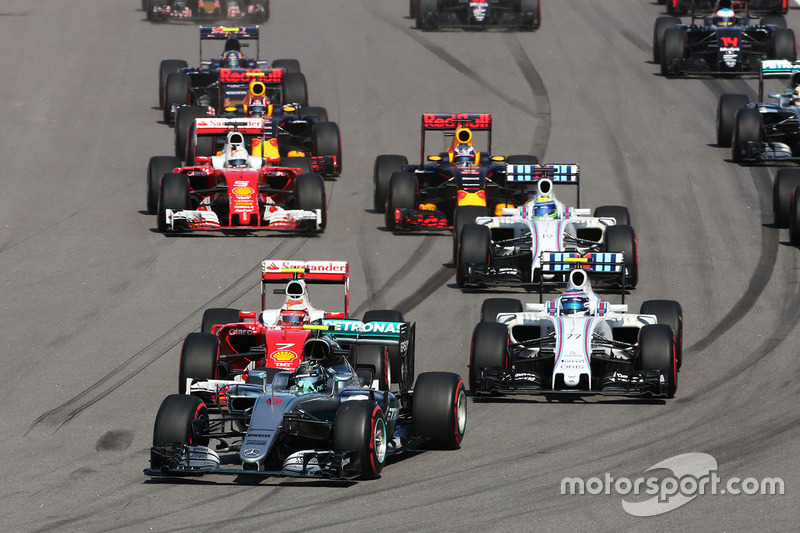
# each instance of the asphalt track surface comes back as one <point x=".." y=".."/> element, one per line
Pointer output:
<point x="95" y="302"/>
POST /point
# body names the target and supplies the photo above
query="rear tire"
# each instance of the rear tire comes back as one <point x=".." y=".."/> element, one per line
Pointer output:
<point x="619" y="213"/>
<point x="748" y="128"/>
<point x="786" y="181"/>
<point x="784" y="45"/>
<point x="198" y="358"/>
<point x="439" y="409"/>
<point x="173" y="194"/>
<point x="385" y="166"/>
<point x="326" y="140"/>
<point x="309" y="190"/>
<point x="395" y="358"/>
<point x="294" y="89"/>
<point x="176" y="92"/>
<point x="492" y="307"/>
<point x="219" y="315"/>
<point x="360" y="426"/>
<point x="657" y="352"/>
<point x="489" y="349"/>
<point x="403" y="194"/>
<point x="376" y="360"/>
<point x="290" y="65"/>
<point x="668" y="312"/>
<point x="729" y="104"/>
<point x="157" y="167"/>
<point x="623" y="239"/>
<point x="473" y="248"/>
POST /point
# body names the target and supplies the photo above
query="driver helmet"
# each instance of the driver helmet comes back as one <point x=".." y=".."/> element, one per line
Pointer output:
<point x="309" y="378"/>
<point x="293" y="318"/>
<point x="238" y="158"/>
<point x="464" y="155"/>
<point x="232" y="58"/>
<point x="724" y="17"/>
<point x="575" y="303"/>
<point x="257" y="108"/>
<point x="545" y="207"/>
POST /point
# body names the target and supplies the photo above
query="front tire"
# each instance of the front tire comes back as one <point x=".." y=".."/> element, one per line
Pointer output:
<point x="619" y="213"/>
<point x="657" y="352"/>
<point x="474" y="246"/>
<point x="427" y="14"/>
<point x="290" y="65"/>
<point x="794" y="221"/>
<point x="181" y="419"/>
<point x="489" y="349"/>
<point x="786" y="181"/>
<point x="176" y="93"/>
<point x="439" y="409"/>
<point x="360" y="426"/>
<point x="294" y="89"/>
<point x="184" y="119"/>
<point x="403" y="194"/>
<point x="310" y="195"/>
<point x="157" y="167"/>
<point x="167" y="67"/>
<point x="674" y="49"/>
<point x="729" y="104"/>
<point x="784" y="45"/>
<point x="659" y="29"/>
<point x="326" y="140"/>
<point x="219" y="315"/>
<point x="385" y="166"/>
<point x="623" y="239"/>
<point x="463" y="215"/>
<point x="668" y="312"/>
<point x="492" y="307"/>
<point x="747" y="129"/>
<point x="173" y="194"/>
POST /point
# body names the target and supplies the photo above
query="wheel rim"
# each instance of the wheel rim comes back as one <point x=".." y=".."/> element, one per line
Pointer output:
<point x="461" y="411"/>
<point x="379" y="440"/>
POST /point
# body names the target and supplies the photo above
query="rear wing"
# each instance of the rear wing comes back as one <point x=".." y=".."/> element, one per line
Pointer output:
<point x="217" y="33"/>
<point x="284" y="270"/>
<point x="245" y="125"/>
<point x="601" y="263"/>
<point x="564" y="173"/>
<point x="449" y="122"/>
<point x="358" y="332"/>
<point x="776" y="68"/>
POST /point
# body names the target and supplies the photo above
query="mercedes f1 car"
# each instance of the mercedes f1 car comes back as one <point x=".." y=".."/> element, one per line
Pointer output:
<point x="507" y="250"/>
<point x="763" y="131"/>
<point x="333" y="416"/>
<point x="577" y="343"/>
<point x="757" y="7"/>
<point x="786" y="202"/>
<point x="224" y="81"/>
<point x="451" y="188"/>
<point x="476" y="14"/>
<point x="724" y="45"/>
<point x="185" y="10"/>
<point x="235" y="191"/>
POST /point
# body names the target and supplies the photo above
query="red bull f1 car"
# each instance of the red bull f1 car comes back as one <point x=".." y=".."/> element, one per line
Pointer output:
<point x="577" y="344"/>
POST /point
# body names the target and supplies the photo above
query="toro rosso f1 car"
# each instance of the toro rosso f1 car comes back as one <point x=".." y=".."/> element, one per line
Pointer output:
<point x="576" y="344"/>
<point x="165" y="10"/>
<point x="507" y="250"/>
<point x="235" y="191"/>
<point x="224" y="81"/>
<point x="724" y="45"/>
<point x="763" y="131"/>
<point x="476" y="14"/>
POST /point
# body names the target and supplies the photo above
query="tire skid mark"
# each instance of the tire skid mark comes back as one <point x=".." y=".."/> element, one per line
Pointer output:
<point x="451" y="60"/>
<point x="433" y="282"/>
<point x="135" y="364"/>
<point x="541" y="99"/>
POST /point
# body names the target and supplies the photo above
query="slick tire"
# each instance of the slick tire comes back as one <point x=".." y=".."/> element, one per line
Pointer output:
<point x="385" y="166"/>
<point x="360" y="426"/>
<point x="184" y="119"/>
<point x="375" y="359"/>
<point x="173" y="194"/>
<point x="314" y="111"/>
<point x="199" y="357"/>
<point x="748" y="127"/>
<point x="786" y="180"/>
<point x="326" y="140"/>
<point x="474" y="244"/>
<point x="167" y="67"/>
<point x="784" y="45"/>
<point x="176" y="93"/>
<point x="774" y="20"/>
<point x="218" y="315"/>
<point x="439" y="409"/>
<point x="794" y="221"/>
<point x="532" y="10"/>
<point x="492" y="307"/>
<point x="728" y="105"/>
<point x="463" y="215"/>
<point x="427" y="14"/>
<point x="668" y="312"/>
<point x="294" y="89"/>
<point x="657" y="352"/>
<point x="674" y="49"/>
<point x="659" y="29"/>
<point x="489" y="349"/>
<point x="181" y="419"/>
<point x="289" y="65"/>
<point x="403" y="194"/>
<point x="396" y="373"/>
<point x="309" y="190"/>
<point x="623" y="239"/>
<point x="302" y="163"/>
<point x="157" y="167"/>
<point x="619" y="213"/>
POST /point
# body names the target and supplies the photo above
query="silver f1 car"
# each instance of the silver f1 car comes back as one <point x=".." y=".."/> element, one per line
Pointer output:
<point x="507" y="250"/>
<point x="332" y="417"/>
<point x="577" y="344"/>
